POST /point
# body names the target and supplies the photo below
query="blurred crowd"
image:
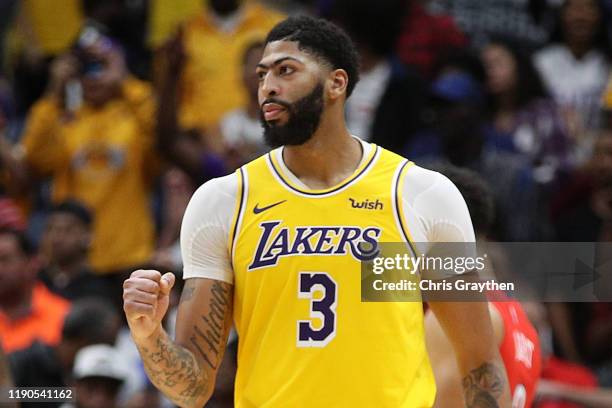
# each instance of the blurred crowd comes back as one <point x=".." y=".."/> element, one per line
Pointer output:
<point x="112" y="112"/>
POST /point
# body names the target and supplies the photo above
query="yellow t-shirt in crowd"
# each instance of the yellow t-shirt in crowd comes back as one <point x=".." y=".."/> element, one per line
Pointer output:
<point x="212" y="81"/>
<point x="54" y="24"/>
<point x="104" y="158"/>
<point x="165" y="16"/>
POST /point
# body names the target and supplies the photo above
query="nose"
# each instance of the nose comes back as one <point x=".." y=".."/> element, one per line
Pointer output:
<point x="269" y="87"/>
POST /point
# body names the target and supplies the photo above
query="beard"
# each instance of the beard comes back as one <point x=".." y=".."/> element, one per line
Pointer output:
<point x="304" y="119"/>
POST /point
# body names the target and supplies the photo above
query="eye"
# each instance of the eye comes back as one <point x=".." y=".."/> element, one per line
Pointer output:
<point x="260" y="75"/>
<point x="285" y="70"/>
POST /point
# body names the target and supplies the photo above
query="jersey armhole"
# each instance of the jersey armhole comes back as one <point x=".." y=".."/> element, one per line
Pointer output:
<point x="398" y="189"/>
<point x="238" y="214"/>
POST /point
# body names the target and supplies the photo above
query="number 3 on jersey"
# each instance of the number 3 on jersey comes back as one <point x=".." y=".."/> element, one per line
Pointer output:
<point x="322" y="308"/>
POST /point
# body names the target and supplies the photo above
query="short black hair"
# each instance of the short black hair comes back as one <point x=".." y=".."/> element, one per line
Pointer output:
<point x="74" y="208"/>
<point x="322" y="39"/>
<point x="23" y="242"/>
<point x="475" y="192"/>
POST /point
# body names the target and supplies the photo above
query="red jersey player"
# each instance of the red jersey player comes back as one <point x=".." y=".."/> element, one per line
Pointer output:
<point x="516" y="337"/>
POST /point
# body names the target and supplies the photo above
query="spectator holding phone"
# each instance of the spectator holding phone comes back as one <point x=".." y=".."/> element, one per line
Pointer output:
<point x="91" y="134"/>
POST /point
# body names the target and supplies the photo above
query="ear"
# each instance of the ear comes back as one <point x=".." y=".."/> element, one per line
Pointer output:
<point x="337" y="83"/>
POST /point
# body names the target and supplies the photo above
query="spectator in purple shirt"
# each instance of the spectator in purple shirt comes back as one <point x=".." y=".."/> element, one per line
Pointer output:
<point x="524" y="119"/>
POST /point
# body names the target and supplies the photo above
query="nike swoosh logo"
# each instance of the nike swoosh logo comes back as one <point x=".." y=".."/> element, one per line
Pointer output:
<point x="258" y="210"/>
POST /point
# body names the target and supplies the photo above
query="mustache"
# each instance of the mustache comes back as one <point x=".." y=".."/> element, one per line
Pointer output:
<point x="276" y="101"/>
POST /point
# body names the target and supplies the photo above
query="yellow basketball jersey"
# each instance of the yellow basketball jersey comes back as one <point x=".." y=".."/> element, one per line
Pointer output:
<point x="305" y="337"/>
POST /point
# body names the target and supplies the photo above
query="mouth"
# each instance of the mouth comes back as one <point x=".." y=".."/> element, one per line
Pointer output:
<point x="272" y="111"/>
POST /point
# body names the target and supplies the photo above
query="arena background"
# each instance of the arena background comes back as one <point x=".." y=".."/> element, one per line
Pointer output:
<point x="112" y="112"/>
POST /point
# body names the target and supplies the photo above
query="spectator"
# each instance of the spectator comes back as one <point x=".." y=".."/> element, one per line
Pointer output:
<point x="100" y="152"/>
<point x="386" y="103"/>
<point x="98" y="373"/>
<point x="459" y="134"/>
<point x="125" y="22"/>
<point x="28" y="311"/>
<point x="576" y="67"/>
<point x="582" y="212"/>
<point x="44" y="30"/>
<point x="525" y="120"/>
<point x="214" y="43"/>
<point x="426" y="36"/>
<point x="65" y="245"/>
<point x="89" y="321"/>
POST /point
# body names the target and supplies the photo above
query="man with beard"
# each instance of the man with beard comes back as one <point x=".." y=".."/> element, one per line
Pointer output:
<point x="276" y="247"/>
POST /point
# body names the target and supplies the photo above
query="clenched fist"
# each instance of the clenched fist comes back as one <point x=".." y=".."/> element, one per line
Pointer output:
<point x="146" y="295"/>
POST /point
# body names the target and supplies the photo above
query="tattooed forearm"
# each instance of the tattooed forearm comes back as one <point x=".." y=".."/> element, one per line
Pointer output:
<point x="209" y="333"/>
<point x="483" y="386"/>
<point x="175" y="371"/>
<point x="185" y="371"/>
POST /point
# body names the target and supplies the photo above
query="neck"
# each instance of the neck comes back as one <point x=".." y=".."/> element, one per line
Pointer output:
<point x="579" y="48"/>
<point x="18" y="303"/>
<point x="329" y="157"/>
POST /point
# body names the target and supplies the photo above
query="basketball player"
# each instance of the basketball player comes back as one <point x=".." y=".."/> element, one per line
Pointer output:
<point x="275" y="249"/>
<point x="515" y="336"/>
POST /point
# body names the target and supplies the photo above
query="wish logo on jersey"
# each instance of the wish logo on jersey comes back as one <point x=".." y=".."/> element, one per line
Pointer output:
<point x="277" y="241"/>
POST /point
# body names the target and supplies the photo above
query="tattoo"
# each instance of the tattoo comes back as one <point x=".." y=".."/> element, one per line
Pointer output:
<point x="177" y="371"/>
<point x="188" y="290"/>
<point x="172" y="365"/>
<point x="209" y="342"/>
<point x="483" y="386"/>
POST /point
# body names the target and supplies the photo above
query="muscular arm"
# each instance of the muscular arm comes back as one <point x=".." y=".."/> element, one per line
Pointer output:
<point x="439" y="214"/>
<point x="467" y="326"/>
<point x="185" y="369"/>
<point x="444" y="364"/>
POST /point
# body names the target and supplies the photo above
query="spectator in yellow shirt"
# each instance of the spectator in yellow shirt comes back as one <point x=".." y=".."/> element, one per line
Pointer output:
<point x="100" y="152"/>
<point x="214" y="42"/>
